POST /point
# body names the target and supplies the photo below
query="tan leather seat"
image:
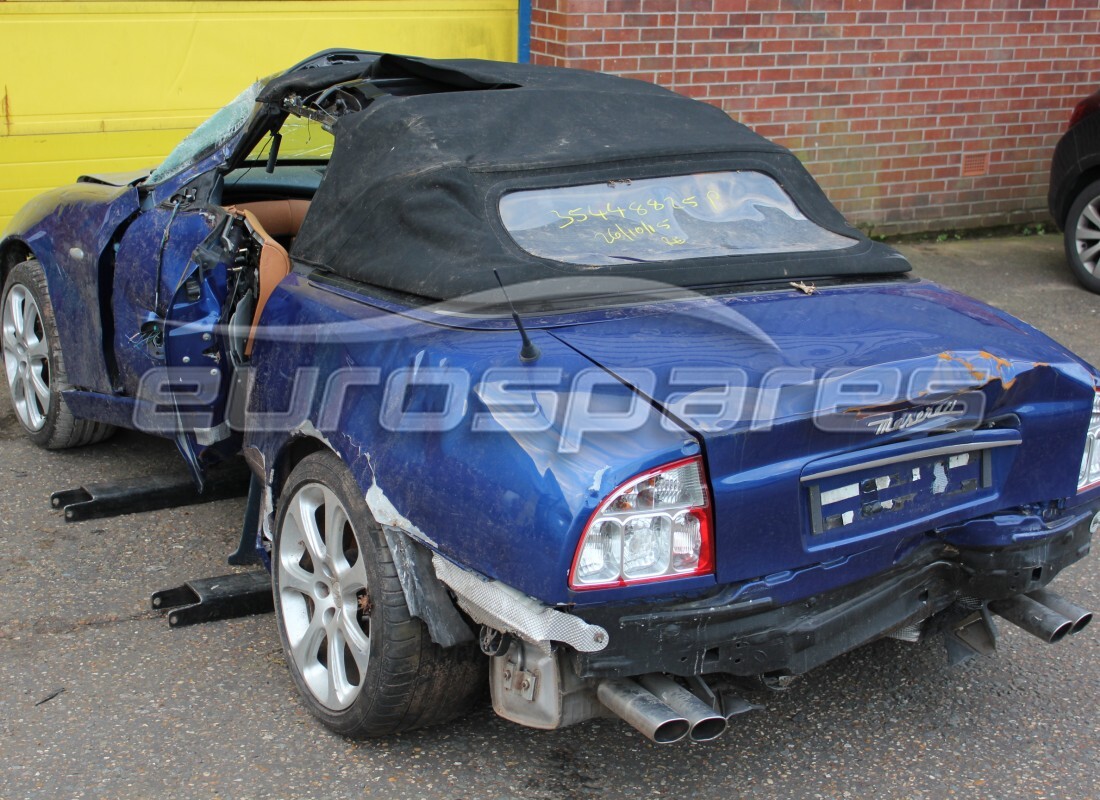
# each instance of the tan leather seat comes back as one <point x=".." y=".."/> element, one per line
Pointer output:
<point x="274" y="260"/>
<point x="277" y="217"/>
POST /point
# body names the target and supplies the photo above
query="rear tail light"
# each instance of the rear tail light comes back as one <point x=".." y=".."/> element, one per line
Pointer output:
<point x="1089" y="476"/>
<point x="654" y="527"/>
<point x="1089" y="105"/>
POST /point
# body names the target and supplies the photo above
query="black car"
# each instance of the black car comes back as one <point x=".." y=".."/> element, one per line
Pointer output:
<point x="1074" y="198"/>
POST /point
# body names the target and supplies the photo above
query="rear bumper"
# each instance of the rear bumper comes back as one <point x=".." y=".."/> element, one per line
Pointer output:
<point x="755" y="637"/>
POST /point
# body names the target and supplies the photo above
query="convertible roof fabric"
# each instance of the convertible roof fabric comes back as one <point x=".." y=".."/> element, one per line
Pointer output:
<point x="409" y="199"/>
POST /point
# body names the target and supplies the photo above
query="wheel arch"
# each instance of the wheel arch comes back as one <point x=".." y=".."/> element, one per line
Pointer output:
<point x="272" y="465"/>
<point x="425" y="595"/>
<point x="61" y="428"/>
<point x="1074" y="165"/>
<point x="293" y="451"/>
<point x="13" y="250"/>
<point x="412" y="680"/>
<point x="1089" y="175"/>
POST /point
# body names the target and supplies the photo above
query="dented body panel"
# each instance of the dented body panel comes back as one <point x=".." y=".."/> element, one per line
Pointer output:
<point x="69" y="231"/>
<point x="758" y="476"/>
<point x="825" y="417"/>
<point x="465" y="489"/>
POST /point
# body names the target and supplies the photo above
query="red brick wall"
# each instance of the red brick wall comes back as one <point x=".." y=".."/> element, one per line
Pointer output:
<point x="913" y="114"/>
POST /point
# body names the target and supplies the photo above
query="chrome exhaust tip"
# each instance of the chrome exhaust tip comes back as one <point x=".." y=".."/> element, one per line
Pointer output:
<point x="1080" y="617"/>
<point x="706" y="723"/>
<point x="643" y="711"/>
<point x="1034" y="617"/>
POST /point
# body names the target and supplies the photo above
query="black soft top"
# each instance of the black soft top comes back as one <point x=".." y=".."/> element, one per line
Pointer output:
<point x="409" y="200"/>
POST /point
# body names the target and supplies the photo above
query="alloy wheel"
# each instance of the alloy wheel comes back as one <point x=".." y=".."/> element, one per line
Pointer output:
<point x="1088" y="236"/>
<point x="323" y="596"/>
<point x="26" y="357"/>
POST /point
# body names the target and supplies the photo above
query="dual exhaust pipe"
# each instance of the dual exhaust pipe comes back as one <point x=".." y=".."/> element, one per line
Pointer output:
<point x="1044" y="614"/>
<point x="664" y="711"/>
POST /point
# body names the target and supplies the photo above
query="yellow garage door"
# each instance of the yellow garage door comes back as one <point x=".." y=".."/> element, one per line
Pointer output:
<point x="113" y="86"/>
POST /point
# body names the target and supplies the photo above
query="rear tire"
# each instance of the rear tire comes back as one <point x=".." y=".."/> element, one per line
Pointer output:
<point x="363" y="665"/>
<point x="34" y="367"/>
<point x="1082" y="237"/>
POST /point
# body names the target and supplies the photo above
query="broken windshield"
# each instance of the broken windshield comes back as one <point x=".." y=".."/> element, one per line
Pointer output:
<point x="210" y="135"/>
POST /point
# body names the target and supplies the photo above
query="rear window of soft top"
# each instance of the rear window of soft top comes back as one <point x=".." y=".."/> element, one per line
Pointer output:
<point x="702" y="215"/>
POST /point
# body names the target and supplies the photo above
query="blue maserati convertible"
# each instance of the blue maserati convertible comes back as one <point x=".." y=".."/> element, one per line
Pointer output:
<point x="558" y="383"/>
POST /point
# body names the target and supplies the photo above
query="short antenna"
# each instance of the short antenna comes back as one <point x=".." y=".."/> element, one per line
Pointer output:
<point x="529" y="351"/>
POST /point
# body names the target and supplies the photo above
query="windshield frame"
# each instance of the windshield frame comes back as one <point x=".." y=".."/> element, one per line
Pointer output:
<point x="208" y="138"/>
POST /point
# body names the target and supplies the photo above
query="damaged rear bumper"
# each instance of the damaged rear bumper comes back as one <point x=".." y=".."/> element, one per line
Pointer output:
<point x="554" y="667"/>
<point x="752" y="637"/>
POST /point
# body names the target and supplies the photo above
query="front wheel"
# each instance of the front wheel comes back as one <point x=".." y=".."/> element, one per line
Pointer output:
<point x="1082" y="236"/>
<point x="363" y="665"/>
<point x="35" y="367"/>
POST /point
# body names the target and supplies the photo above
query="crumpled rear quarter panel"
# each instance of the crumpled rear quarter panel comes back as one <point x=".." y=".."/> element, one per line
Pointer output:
<point x="507" y="504"/>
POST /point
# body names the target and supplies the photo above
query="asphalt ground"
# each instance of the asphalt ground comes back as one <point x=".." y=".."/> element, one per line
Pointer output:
<point x="210" y="711"/>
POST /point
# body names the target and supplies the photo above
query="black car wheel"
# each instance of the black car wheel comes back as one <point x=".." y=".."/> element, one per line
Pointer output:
<point x="1082" y="236"/>
<point x="364" y="666"/>
<point x="34" y="366"/>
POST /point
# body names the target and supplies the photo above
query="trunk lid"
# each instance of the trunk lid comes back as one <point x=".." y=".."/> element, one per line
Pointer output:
<point x="852" y="421"/>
